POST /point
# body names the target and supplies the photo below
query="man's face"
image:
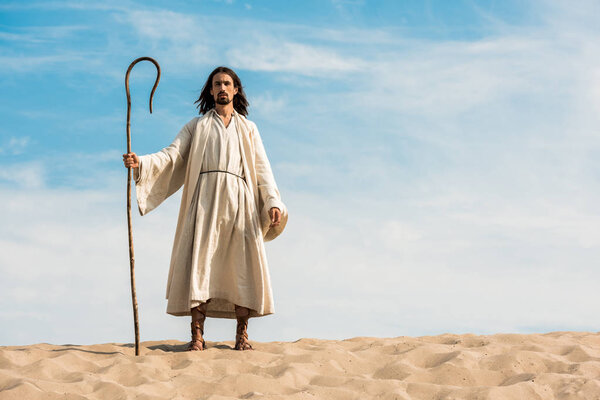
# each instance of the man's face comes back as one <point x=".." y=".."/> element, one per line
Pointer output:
<point x="223" y="89"/>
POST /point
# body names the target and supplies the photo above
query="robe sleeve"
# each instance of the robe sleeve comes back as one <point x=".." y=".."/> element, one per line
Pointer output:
<point x="269" y="196"/>
<point x="161" y="174"/>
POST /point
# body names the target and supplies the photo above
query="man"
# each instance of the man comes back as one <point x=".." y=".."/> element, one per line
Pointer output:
<point x="230" y="206"/>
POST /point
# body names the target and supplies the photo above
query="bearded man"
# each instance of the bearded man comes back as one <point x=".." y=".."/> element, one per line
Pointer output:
<point x="230" y="206"/>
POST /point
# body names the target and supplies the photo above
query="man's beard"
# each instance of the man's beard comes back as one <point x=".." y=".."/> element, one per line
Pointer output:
<point x="223" y="100"/>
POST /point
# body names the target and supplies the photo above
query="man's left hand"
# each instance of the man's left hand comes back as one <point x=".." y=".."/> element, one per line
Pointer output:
<point x="275" y="214"/>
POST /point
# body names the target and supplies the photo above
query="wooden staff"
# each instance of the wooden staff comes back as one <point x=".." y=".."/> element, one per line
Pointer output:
<point x="131" y="257"/>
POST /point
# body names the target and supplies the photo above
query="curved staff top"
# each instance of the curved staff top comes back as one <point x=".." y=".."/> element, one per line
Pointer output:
<point x="131" y="256"/>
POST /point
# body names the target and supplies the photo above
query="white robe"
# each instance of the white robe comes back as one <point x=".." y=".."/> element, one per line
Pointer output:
<point x="218" y="251"/>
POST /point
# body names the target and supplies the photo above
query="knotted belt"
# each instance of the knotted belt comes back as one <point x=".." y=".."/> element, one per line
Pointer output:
<point x="218" y="170"/>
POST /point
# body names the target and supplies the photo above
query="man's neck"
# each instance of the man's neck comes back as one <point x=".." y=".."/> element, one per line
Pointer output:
<point x="224" y="110"/>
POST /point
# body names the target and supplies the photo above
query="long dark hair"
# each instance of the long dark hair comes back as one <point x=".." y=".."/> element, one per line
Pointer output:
<point x="206" y="100"/>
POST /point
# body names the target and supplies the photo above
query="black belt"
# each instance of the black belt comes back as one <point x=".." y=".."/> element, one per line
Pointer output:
<point x="218" y="170"/>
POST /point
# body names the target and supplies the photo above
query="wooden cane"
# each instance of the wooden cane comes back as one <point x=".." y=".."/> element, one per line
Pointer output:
<point x="131" y="257"/>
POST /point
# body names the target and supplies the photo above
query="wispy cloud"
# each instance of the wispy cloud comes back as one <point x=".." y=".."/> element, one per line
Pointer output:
<point x="108" y="5"/>
<point x="268" y="104"/>
<point x="169" y="25"/>
<point x="402" y="264"/>
<point x="344" y="7"/>
<point x="15" y="145"/>
<point x="23" y="64"/>
<point x="277" y="56"/>
<point x="257" y="51"/>
<point x="41" y="34"/>
<point x="27" y="175"/>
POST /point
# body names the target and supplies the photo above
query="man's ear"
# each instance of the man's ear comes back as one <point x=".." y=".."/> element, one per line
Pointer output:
<point x="235" y="90"/>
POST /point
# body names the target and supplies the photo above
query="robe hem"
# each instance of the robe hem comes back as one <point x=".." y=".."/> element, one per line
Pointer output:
<point x="180" y="309"/>
<point x="219" y="314"/>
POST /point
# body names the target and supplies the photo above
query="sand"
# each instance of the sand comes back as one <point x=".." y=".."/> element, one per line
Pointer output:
<point x="559" y="365"/>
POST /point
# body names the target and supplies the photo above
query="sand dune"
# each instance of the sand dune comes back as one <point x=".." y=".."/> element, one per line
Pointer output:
<point x="559" y="365"/>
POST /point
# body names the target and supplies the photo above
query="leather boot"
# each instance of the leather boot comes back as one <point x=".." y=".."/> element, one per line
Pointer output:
<point x="198" y="318"/>
<point x="241" y="337"/>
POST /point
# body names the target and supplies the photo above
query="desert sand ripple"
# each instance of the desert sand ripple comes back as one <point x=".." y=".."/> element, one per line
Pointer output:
<point x="557" y="365"/>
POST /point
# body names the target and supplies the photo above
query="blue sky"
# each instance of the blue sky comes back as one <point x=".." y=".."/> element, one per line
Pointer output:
<point x="438" y="159"/>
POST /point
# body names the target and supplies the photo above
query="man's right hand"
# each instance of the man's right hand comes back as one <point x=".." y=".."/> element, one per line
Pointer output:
<point x="131" y="160"/>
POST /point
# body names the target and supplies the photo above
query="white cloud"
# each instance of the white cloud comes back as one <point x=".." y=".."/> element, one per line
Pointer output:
<point x="190" y="44"/>
<point x="39" y="34"/>
<point x="15" y="145"/>
<point x="343" y="5"/>
<point x="27" y="175"/>
<point x="18" y="37"/>
<point x="428" y="271"/>
<point x="281" y="56"/>
<point x="448" y="79"/>
<point x="268" y="104"/>
<point x="108" y="5"/>
<point x="24" y="64"/>
<point x="169" y="25"/>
